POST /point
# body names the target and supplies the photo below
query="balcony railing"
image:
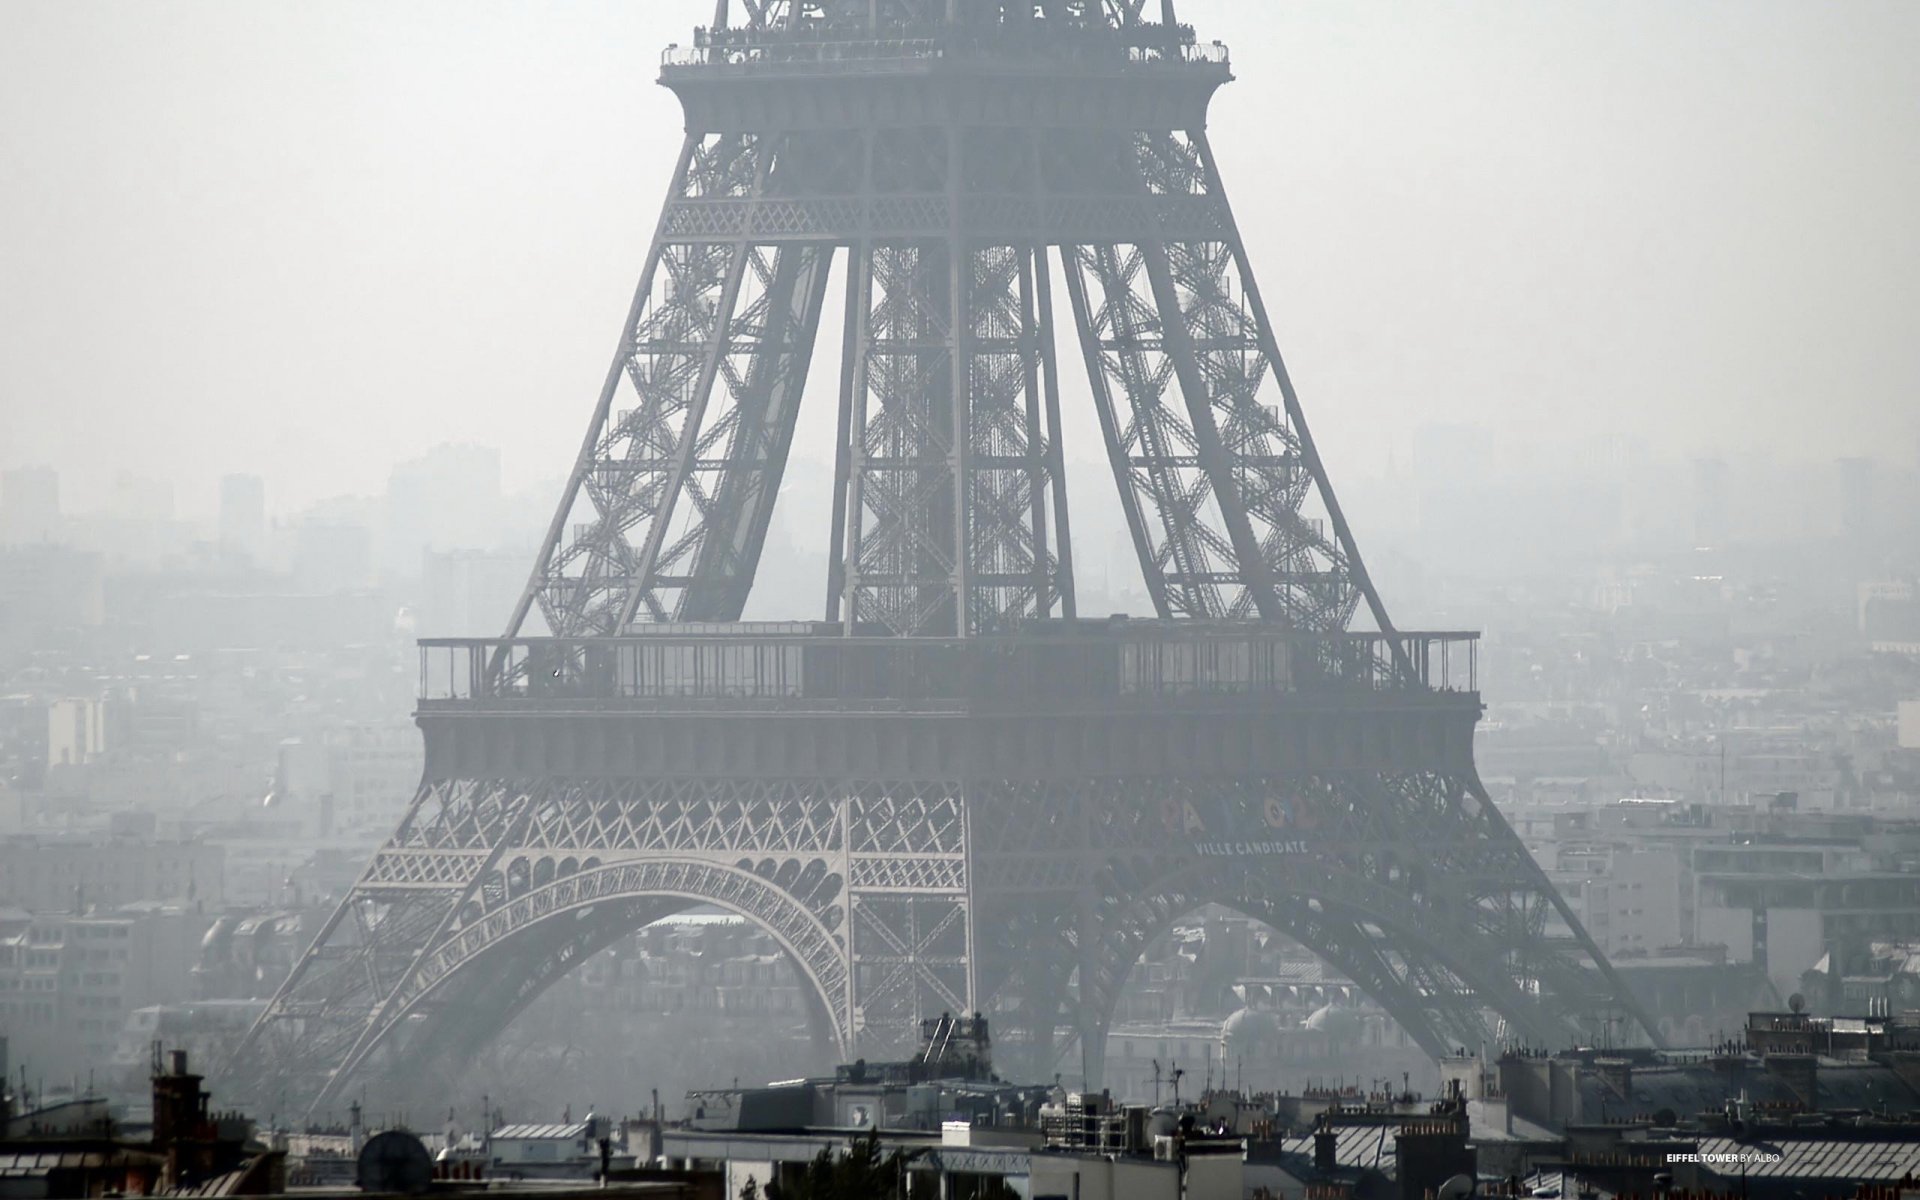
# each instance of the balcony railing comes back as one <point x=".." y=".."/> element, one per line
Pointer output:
<point x="801" y="666"/>
<point x="808" y="56"/>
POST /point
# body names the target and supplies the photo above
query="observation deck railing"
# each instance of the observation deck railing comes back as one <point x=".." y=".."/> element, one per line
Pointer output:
<point x="800" y="666"/>
<point x="810" y="56"/>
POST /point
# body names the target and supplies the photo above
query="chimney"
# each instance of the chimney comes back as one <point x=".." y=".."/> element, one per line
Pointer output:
<point x="183" y="1130"/>
<point x="1835" y="985"/>
<point x="1463" y="1074"/>
<point x="1905" y="1064"/>
<point x="1729" y="1066"/>
<point x="1498" y="1112"/>
<point x="179" y="1106"/>
<point x="1801" y="1073"/>
<point x="1430" y="1152"/>
<point x="1616" y="1073"/>
<point x="1326" y="1145"/>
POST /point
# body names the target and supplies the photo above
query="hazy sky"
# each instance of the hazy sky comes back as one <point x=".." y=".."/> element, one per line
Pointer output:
<point x="310" y="239"/>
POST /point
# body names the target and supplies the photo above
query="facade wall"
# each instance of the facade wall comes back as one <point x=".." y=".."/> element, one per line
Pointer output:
<point x="69" y="984"/>
<point x="1795" y="939"/>
<point x="76" y="731"/>
<point x="45" y="876"/>
<point x="1634" y="904"/>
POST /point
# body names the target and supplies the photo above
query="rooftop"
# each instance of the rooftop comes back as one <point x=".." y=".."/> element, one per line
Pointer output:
<point x="1828" y="1159"/>
<point x="530" y="1132"/>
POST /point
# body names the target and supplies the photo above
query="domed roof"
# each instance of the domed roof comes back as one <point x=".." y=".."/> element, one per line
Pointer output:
<point x="217" y="933"/>
<point x="1249" y="1027"/>
<point x="1334" y="1021"/>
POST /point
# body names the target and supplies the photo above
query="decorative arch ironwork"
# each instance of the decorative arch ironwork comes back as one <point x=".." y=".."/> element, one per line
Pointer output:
<point x="815" y="950"/>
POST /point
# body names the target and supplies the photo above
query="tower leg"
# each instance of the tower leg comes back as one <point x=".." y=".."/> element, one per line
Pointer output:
<point x="901" y="568"/>
<point x="949" y="451"/>
<point x="1191" y="404"/>
<point x="732" y="479"/>
<point x="667" y="506"/>
<point x="911" y="455"/>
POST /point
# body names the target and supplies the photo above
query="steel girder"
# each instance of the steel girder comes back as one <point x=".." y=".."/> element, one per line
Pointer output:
<point x="1198" y="416"/>
<point x="882" y="15"/>
<point x="445" y="1032"/>
<point x="948" y="463"/>
<point x="1407" y="881"/>
<point x="485" y="894"/>
<point x="949" y="456"/>
<point x="669" y="499"/>
<point x="549" y="915"/>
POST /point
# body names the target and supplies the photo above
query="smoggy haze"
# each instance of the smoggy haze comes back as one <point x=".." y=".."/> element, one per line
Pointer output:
<point x="308" y="240"/>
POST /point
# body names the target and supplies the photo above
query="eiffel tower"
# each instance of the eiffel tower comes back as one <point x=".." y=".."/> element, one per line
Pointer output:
<point x="944" y="790"/>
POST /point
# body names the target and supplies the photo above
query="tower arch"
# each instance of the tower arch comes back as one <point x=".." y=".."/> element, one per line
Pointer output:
<point x="564" y="923"/>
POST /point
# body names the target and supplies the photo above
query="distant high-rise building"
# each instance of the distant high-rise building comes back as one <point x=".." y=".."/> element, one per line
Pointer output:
<point x="1709" y="502"/>
<point x="76" y="731"/>
<point x="138" y="498"/>
<point x="1910" y="724"/>
<point x="1857" y="516"/>
<point x="447" y="499"/>
<point x="1446" y="452"/>
<point x="46" y="589"/>
<point x="1889" y="612"/>
<point x="1450" y="476"/>
<point x="243" y="514"/>
<point x="29" y="505"/>
<point x="332" y="557"/>
<point x="470" y="593"/>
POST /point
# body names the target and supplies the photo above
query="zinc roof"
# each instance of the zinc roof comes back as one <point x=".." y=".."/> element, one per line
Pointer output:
<point x="534" y="1133"/>
<point x="1816" y="1159"/>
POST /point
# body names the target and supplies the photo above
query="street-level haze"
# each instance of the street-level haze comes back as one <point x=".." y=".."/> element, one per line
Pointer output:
<point x="309" y="240"/>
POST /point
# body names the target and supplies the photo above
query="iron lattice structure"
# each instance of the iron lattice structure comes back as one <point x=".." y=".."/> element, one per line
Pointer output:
<point x="950" y="793"/>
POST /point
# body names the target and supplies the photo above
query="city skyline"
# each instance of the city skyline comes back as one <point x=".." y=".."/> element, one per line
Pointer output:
<point x="983" y="728"/>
